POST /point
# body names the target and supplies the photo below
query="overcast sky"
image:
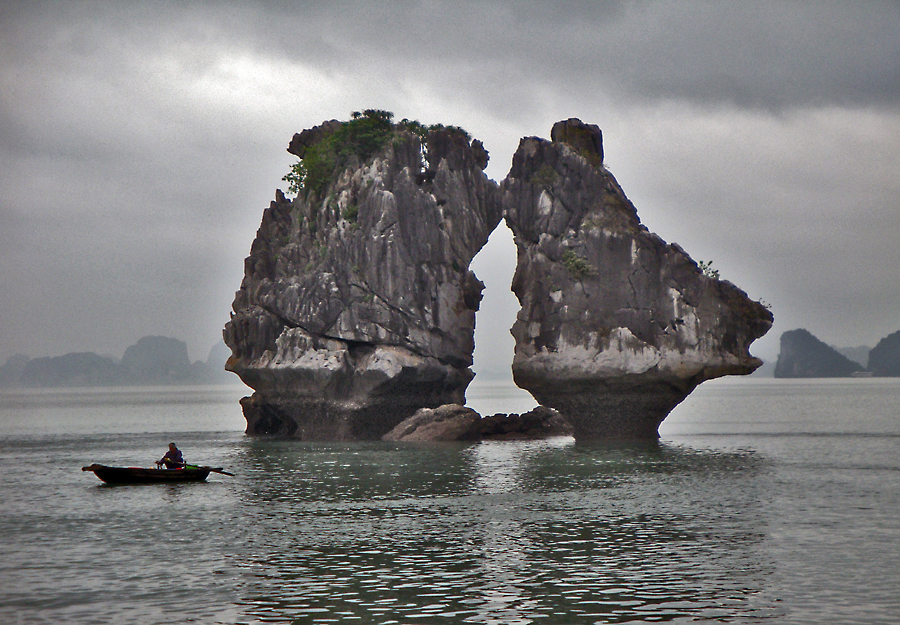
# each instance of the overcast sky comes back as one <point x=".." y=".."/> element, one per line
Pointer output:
<point x="141" y="141"/>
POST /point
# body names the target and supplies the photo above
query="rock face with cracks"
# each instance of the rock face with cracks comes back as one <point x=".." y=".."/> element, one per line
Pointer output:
<point x="616" y="326"/>
<point x="357" y="307"/>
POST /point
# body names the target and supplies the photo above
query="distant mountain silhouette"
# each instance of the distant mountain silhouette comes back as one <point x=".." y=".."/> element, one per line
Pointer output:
<point x="215" y="364"/>
<point x="12" y="370"/>
<point x="804" y="356"/>
<point x="884" y="358"/>
<point x="153" y="360"/>
<point x="859" y="354"/>
<point x="157" y="360"/>
<point x="75" y="369"/>
<point x="766" y="370"/>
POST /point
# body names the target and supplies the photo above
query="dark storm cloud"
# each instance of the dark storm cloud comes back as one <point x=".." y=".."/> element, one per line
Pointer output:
<point x="768" y="54"/>
<point x="771" y="54"/>
<point x="140" y="141"/>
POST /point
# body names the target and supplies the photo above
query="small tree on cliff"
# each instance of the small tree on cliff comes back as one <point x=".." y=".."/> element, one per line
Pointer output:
<point x="366" y="133"/>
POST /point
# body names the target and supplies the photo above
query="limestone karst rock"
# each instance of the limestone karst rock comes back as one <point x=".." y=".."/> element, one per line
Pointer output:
<point x="153" y="360"/>
<point x="802" y="355"/>
<point x="884" y="359"/>
<point x="357" y="306"/>
<point x="616" y="326"/>
<point x="157" y="360"/>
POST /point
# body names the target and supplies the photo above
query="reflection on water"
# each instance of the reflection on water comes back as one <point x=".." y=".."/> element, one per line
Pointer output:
<point x="503" y="533"/>
<point x="748" y="513"/>
<point x="119" y="410"/>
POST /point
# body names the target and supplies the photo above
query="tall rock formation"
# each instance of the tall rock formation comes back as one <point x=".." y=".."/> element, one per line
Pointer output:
<point x="802" y="355"/>
<point x="616" y="326"/>
<point x="357" y="306"/>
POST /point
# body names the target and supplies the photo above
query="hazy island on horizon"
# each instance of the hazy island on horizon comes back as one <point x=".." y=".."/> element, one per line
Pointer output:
<point x="803" y="355"/>
<point x="152" y="361"/>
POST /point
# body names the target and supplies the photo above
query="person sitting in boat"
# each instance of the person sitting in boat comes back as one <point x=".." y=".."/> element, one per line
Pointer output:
<point x="173" y="458"/>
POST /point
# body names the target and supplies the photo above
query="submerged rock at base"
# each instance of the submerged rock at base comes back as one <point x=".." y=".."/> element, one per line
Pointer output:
<point x="616" y="326"/>
<point x="540" y="422"/>
<point x="451" y="422"/>
<point x="454" y="422"/>
<point x="357" y="306"/>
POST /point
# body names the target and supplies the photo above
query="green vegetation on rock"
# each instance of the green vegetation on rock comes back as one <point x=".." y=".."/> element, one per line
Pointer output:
<point x="545" y="176"/>
<point x="578" y="267"/>
<point x="366" y="133"/>
<point x="707" y="269"/>
<point x="351" y="213"/>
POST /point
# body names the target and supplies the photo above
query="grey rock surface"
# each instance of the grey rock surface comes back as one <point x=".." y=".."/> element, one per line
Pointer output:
<point x="454" y="422"/>
<point x="358" y="307"/>
<point x="616" y="326"/>
<point x="451" y="422"/>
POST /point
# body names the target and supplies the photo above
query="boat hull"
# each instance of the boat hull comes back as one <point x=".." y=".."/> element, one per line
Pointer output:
<point x="139" y="475"/>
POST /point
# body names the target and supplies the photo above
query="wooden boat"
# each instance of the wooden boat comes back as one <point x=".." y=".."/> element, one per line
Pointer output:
<point x="140" y="475"/>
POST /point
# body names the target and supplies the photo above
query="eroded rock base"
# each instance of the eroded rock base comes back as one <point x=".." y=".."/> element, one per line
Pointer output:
<point x="613" y="409"/>
<point x="309" y="419"/>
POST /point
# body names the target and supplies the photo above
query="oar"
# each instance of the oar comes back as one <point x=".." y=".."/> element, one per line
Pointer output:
<point x="195" y="466"/>
<point x="211" y="469"/>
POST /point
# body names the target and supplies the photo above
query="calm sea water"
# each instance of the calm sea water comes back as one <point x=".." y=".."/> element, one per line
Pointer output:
<point x="766" y="501"/>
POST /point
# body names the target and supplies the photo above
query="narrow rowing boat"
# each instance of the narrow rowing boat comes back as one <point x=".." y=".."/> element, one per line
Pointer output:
<point x="140" y="475"/>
